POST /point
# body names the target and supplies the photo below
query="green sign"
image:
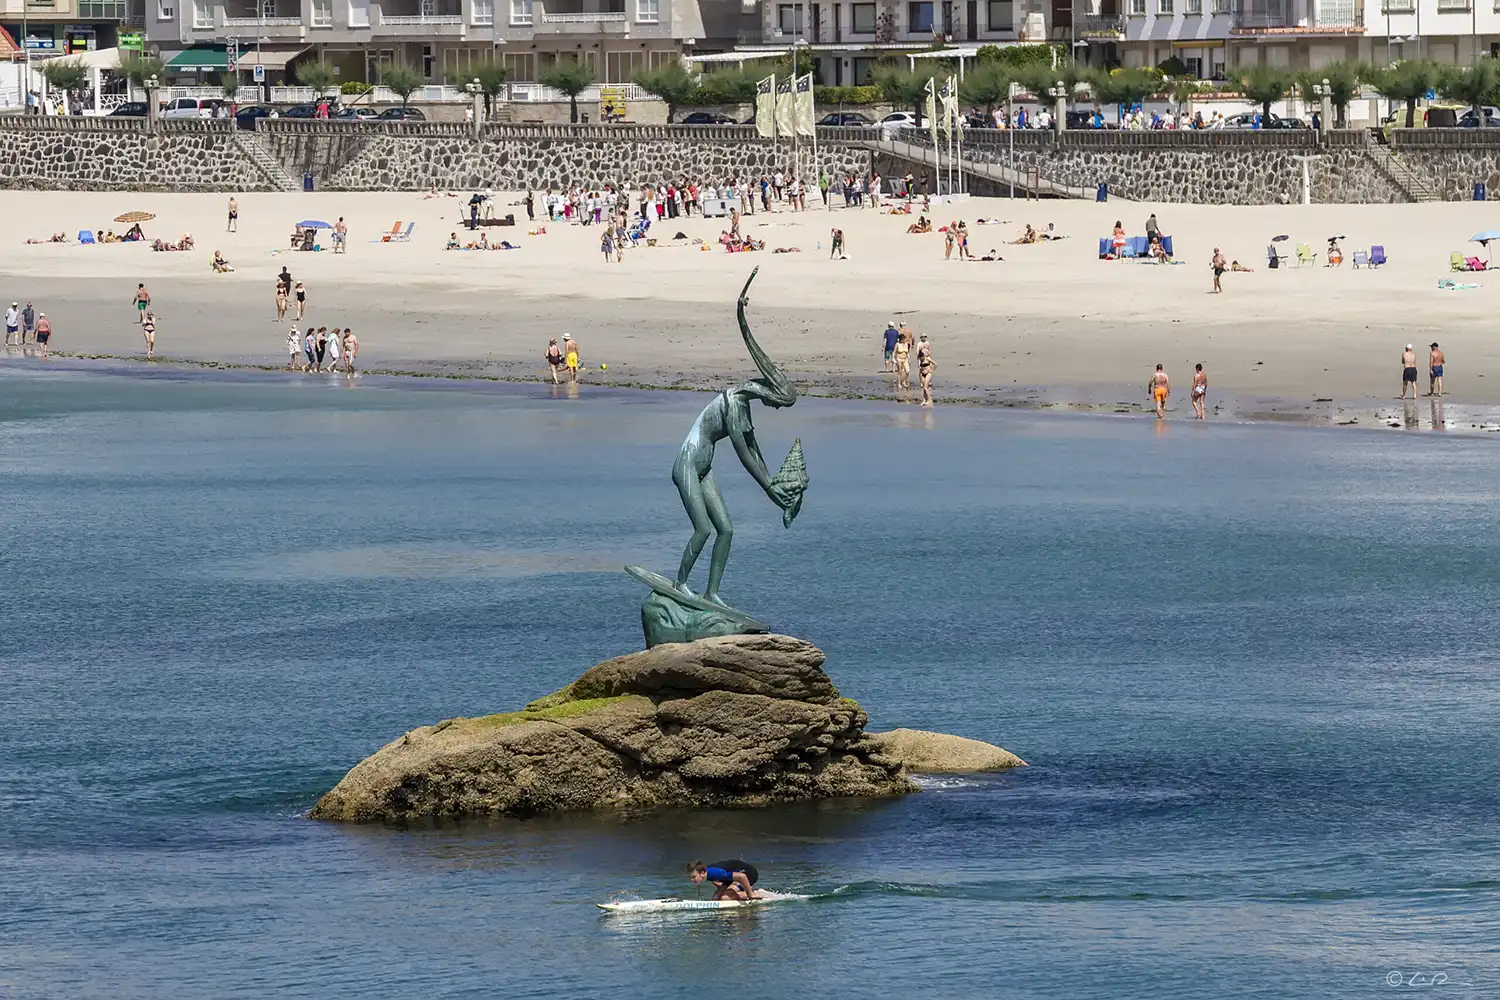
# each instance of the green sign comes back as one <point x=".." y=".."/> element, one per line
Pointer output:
<point x="132" y="41"/>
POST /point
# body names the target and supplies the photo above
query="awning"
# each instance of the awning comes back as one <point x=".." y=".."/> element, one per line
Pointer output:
<point x="101" y="59"/>
<point x="1199" y="43"/>
<point x="271" y="57"/>
<point x="200" y="59"/>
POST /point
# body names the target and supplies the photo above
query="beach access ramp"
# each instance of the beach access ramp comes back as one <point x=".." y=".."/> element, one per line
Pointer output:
<point x="1000" y="175"/>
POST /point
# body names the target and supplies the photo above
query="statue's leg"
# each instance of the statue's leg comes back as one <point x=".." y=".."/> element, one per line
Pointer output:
<point x="691" y="491"/>
<point x="718" y="515"/>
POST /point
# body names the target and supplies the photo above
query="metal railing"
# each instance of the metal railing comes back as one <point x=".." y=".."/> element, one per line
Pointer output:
<point x="260" y="22"/>
<point x="411" y="20"/>
<point x="583" y="17"/>
<point x="1100" y="26"/>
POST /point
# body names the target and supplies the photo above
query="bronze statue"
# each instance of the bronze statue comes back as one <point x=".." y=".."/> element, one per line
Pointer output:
<point x="674" y="613"/>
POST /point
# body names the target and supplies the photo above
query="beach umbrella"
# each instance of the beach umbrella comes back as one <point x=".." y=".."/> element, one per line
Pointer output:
<point x="1280" y="239"/>
<point x="1483" y="239"/>
<point x="313" y="224"/>
<point x="135" y="217"/>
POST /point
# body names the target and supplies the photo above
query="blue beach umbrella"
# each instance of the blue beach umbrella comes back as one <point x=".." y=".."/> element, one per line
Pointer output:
<point x="1483" y="239"/>
<point x="313" y="224"/>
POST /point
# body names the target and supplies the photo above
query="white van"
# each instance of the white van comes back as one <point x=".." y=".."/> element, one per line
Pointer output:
<point x="191" y="107"/>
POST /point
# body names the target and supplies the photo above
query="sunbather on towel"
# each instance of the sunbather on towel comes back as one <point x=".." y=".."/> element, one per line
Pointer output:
<point x="453" y="243"/>
<point x="1029" y="236"/>
<point x="1235" y="265"/>
<point x="922" y="225"/>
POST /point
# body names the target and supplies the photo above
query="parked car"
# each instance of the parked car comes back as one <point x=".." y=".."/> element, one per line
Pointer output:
<point x="402" y="114"/>
<point x="299" y="111"/>
<point x="246" y="118"/>
<point x="1247" y="119"/>
<point x="707" y="118"/>
<point x="847" y="119"/>
<point x="1471" y="120"/>
<point x="356" y="114"/>
<point x="130" y="109"/>
<point x="897" y="120"/>
<point x="191" y="107"/>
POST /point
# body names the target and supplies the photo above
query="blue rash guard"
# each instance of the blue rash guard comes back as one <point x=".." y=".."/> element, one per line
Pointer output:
<point x="722" y="872"/>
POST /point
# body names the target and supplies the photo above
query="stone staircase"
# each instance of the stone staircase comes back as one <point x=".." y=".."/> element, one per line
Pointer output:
<point x="1407" y="180"/>
<point x="255" y="149"/>
<point x="996" y="173"/>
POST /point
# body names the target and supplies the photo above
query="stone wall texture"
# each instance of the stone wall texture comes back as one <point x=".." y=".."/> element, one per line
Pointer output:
<point x="176" y="156"/>
<point x="1231" y="168"/>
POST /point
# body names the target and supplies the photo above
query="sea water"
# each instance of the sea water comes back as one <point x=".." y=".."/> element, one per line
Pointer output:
<point x="1253" y="670"/>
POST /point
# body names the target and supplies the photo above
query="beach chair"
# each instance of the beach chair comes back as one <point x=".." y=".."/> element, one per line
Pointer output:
<point x="84" y="236"/>
<point x="1377" y="256"/>
<point x="394" y="234"/>
<point x="403" y="237"/>
<point x="1473" y="264"/>
<point x="1106" y="247"/>
<point x="1305" y="255"/>
<point x="1273" y="258"/>
<point x="1361" y="259"/>
<point x="1456" y="262"/>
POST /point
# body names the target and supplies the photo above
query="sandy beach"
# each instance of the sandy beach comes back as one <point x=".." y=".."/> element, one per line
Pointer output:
<point x="1051" y="325"/>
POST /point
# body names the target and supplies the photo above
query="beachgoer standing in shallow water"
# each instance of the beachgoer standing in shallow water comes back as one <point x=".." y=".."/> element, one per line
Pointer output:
<point x="142" y="302"/>
<point x="1160" y="387"/>
<point x="891" y="336"/>
<point x="310" y="347"/>
<point x="903" y="359"/>
<point x="1218" y="267"/>
<point x="43" y="332"/>
<point x="1200" y="390"/>
<point x="234" y="216"/>
<point x="554" y="360"/>
<point x="1409" y="372"/>
<point x="925" y="367"/>
<point x="28" y="323"/>
<point x="322" y="346"/>
<point x="293" y="348"/>
<point x="351" y="350"/>
<point x="148" y="330"/>
<point x="301" y="295"/>
<point x="333" y="349"/>
<point x="570" y="348"/>
<point x="13" y="323"/>
<point x="1434" y="369"/>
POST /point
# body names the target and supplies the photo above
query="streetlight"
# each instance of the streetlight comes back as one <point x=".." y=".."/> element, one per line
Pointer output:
<point x="1324" y="93"/>
<point x="1059" y="95"/>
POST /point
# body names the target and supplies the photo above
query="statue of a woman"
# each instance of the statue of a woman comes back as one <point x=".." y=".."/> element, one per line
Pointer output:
<point x="728" y="416"/>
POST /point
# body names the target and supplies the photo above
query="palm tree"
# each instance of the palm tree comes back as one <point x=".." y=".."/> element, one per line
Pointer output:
<point x="1264" y="85"/>
<point x="1406" y="81"/>
<point x="672" y="83"/>
<point x="569" y="76"/>
<point x="1475" y="85"/>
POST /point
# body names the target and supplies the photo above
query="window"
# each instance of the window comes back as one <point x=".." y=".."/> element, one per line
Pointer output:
<point x="863" y="68"/>
<point x="483" y="12"/>
<point x="203" y="15"/>
<point x="359" y="15"/>
<point x="1194" y="7"/>
<point x="919" y="17"/>
<point x="1000" y="15"/>
<point x="1164" y="6"/>
<point x="1221" y="6"/>
<point x="1137" y="6"/>
<point x="520" y="66"/>
<point x="789" y="18"/>
<point x="1397" y="7"/>
<point x="864" y="19"/>
<point x="520" y="11"/>
<point x="165" y="10"/>
<point x="1452" y="5"/>
<point x="322" y="13"/>
<point x="101" y="10"/>
<point x="648" y="11"/>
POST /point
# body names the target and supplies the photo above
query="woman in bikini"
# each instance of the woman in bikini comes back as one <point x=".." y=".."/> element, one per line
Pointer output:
<point x="1119" y="239"/>
<point x="280" y="301"/>
<point x="925" y="367"/>
<point x="1200" y="391"/>
<point x="903" y="361"/>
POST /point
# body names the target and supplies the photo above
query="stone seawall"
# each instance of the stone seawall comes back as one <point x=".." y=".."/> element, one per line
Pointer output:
<point x="517" y="157"/>
<point x="1453" y="160"/>
<point x="103" y="154"/>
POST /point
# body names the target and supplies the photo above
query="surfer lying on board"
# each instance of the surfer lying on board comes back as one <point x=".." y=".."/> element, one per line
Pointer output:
<point x="733" y="879"/>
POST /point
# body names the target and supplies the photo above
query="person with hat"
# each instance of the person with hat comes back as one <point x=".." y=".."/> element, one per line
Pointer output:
<point x="892" y="334"/>
<point x="570" y="346"/>
<point x="1409" y="372"/>
<point x="43" y="332"/>
<point x="1435" y="371"/>
<point x="554" y="359"/>
<point x="13" y="323"/>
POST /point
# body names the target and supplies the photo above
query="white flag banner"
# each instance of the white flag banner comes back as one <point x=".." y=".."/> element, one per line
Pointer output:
<point x="950" y="105"/>
<point x="804" y="105"/>
<point x="786" y="114"/>
<point x="929" y="108"/>
<point x="765" y="108"/>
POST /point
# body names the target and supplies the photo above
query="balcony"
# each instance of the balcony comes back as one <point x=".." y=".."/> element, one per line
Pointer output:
<point x="426" y="19"/>
<point x="263" y="21"/>
<point x="1294" y="17"/>
<point x="1104" y="27"/>
<point x="562" y="21"/>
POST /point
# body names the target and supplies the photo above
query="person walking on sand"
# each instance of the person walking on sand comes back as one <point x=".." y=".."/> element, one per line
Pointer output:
<point x="1200" y="391"/>
<point x="570" y="348"/>
<point x="234" y="216"/>
<point x="836" y="240"/>
<point x="1409" y="372"/>
<point x="950" y="237"/>
<point x="322" y="346"/>
<point x="340" y="236"/>
<point x="891" y="336"/>
<point x="148" y="330"/>
<point x="1160" y="387"/>
<point x="310" y="347"/>
<point x="1218" y="268"/>
<point x="142" y="302"/>
<point x="293" y="348"/>
<point x="903" y="359"/>
<point x="333" y="349"/>
<point x="301" y="294"/>
<point x="28" y="324"/>
<point x="43" y="332"/>
<point x="13" y="323"/>
<point x="1434" y="369"/>
<point x="554" y="360"/>
<point x="351" y="350"/>
<point x="281" y="302"/>
<point x="925" y="367"/>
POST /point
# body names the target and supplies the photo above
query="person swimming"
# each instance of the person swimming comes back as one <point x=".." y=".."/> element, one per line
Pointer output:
<point x="732" y="879"/>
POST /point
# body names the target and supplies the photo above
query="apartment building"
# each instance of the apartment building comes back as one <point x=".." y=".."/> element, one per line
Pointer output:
<point x="1214" y="36"/>
<point x="67" y="27"/>
<point x="441" y="39"/>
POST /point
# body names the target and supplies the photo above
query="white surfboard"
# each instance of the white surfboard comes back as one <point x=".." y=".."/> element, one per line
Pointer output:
<point x="667" y="905"/>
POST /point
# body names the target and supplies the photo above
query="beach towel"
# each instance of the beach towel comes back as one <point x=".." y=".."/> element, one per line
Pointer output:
<point x="84" y="236"/>
<point x="1449" y="285"/>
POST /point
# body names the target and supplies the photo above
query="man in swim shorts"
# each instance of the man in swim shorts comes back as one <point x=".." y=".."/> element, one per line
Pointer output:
<point x="1409" y="372"/>
<point x="732" y="879"/>
<point x="570" y="346"/>
<point x="1200" y="391"/>
<point x="142" y="302"/>
<point x="891" y="336"/>
<point x="1435" y="371"/>
<point x="1161" y="388"/>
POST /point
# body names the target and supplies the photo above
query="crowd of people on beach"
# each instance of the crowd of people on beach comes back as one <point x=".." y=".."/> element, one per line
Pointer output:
<point x="25" y="326"/>
<point x="898" y="346"/>
<point x="308" y="352"/>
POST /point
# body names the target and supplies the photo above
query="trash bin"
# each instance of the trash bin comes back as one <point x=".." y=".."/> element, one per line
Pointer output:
<point x="1479" y="191"/>
<point x="307" y="181"/>
<point x="1103" y="193"/>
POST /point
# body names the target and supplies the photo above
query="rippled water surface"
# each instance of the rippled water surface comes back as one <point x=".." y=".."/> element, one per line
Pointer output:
<point x="1254" y="671"/>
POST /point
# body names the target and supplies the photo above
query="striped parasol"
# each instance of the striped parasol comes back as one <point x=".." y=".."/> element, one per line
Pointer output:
<point x="135" y="217"/>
